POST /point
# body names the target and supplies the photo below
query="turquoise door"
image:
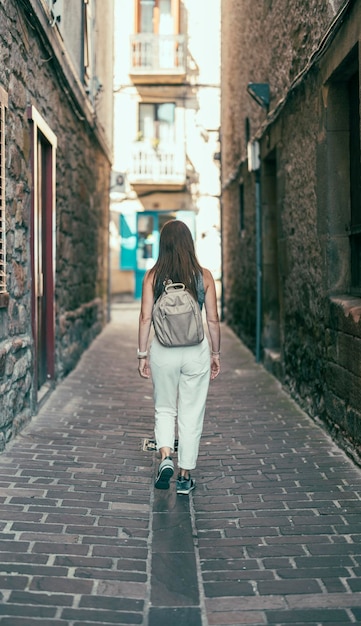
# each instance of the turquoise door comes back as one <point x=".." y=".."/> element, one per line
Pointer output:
<point x="147" y="246"/>
<point x="140" y="240"/>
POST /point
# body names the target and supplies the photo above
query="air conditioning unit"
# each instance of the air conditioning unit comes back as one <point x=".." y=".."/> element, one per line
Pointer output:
<point x="117" y="182"/>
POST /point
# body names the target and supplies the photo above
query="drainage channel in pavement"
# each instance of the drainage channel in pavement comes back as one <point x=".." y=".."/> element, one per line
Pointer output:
<point x="175" y="596"/>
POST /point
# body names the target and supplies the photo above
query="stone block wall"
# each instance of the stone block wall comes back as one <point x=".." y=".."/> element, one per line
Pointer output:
<point x="30" y="76"/>
<point x="311" y="330"/>
<point x="342" y="400"/>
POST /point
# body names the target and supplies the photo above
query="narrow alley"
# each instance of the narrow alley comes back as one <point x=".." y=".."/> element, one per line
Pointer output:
<point x="271" y="535"/>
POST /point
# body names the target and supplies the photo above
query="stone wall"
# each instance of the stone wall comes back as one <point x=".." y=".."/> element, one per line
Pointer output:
<point x="30" y="76"/>
<point x="311" y="330"/>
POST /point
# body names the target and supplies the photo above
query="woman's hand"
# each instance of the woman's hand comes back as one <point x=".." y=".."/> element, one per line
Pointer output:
<point x="145" y="321"/>
<point x="143" y="368"/>
<point x="215" y="366"/>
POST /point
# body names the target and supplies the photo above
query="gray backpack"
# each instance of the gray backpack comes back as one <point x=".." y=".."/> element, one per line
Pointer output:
<point x="177" y="317"/>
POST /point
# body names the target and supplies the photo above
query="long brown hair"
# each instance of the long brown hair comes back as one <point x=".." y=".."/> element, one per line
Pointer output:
<point x="177" y="259"/>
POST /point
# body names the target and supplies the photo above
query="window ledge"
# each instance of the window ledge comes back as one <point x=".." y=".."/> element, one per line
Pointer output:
<point x="350" y="305"/>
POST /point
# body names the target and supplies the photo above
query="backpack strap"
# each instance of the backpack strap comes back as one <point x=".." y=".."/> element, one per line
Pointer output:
<point x="200" y="290"/>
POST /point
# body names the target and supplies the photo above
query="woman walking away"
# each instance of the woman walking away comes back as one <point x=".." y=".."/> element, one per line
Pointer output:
<point x="180" y="375"/>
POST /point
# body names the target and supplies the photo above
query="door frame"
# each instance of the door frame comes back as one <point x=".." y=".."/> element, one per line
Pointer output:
<point x="39" y="128"/>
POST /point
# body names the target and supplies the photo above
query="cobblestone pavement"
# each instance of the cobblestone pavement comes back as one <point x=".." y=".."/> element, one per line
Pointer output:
<point x="271" y="535"/>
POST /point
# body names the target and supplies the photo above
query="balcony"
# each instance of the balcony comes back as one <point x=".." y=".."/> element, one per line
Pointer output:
<point x="156" y="58"/>
<point x="163" y="167"/>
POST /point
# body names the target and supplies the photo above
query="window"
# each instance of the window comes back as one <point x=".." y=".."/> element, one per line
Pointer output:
<point x="146" y="16"/>
<point x="157" y="16"/>
<point x="87" y="42"/>
<point x="355" y="182"/>
<point x="156" y="122"/>
<point x="341" y="220"/>
<point x="157" y="44"/>
<point x="3" y="105"/>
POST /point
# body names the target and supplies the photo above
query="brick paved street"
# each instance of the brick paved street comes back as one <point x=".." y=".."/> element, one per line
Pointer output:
<point x="271" y="535"/>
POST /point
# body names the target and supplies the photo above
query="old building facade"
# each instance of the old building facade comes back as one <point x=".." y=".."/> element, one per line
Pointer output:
<point x="291" y="200"/>
<point x="56" y="106"/>
<point x="166" y="132"/>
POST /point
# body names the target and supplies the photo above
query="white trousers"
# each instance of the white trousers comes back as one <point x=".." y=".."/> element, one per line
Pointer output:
<point x="180" y="383"/>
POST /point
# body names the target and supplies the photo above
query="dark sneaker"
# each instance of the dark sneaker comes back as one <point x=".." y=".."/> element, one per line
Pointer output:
<point x="185" y="485"/>
<point x="165" y="473"/>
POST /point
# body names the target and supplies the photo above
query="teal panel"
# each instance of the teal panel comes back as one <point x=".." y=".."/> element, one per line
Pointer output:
<point x="128" y="233"/>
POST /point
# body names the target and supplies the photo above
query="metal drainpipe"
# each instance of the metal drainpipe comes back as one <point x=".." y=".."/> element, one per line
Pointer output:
<point x="258" y="265"/>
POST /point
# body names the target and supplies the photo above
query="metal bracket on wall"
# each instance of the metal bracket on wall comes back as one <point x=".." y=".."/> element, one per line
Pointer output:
<point x="260" y="93"/>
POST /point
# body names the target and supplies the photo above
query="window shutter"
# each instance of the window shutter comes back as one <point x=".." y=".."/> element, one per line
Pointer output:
<point x="87" y="41"/>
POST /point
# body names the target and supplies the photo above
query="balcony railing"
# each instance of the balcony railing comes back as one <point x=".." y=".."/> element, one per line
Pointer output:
<point x="163" y="166"/>
<point x="157" y="54"/>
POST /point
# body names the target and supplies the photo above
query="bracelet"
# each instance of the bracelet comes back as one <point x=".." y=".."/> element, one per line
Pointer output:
<point x="142" y="355"/>
<point x="215" y="353"/>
